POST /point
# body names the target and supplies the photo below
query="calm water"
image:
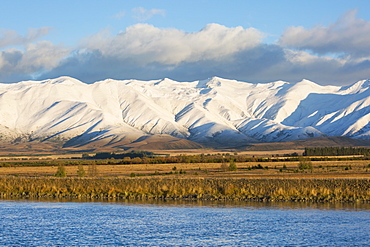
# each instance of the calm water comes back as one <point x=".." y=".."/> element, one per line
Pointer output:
<point x="32" y="223"/>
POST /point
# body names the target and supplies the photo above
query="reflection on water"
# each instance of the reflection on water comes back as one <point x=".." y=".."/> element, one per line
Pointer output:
<point x="181" y="223"/>
<point x="210" y="203"/>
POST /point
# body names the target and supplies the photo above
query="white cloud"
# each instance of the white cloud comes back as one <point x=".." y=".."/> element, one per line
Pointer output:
<point x="142" y="14"/>
<point x="143" y="51"/>
<point x="120" y="15"/>
<point x="262" y="63"/>
<point x="43" y="55"/>
<point x="144" y="44"/>
<point x="304" y="58"/>
<point x="349" y="35"/>
<point x="36" y="57"/>
<point x="12" y="38"/>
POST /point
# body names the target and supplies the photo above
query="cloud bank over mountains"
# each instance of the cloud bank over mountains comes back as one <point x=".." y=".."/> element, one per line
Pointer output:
<point x="348" y="36"/>
<point x="337" y="54"/>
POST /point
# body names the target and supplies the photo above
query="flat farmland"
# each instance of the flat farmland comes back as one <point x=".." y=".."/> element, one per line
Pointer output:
<point x="279" y="169"/>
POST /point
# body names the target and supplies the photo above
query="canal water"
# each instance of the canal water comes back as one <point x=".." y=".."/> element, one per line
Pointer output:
<point x="68" y="223"/>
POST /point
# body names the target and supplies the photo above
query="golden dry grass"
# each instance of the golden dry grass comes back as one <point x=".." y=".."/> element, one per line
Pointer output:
<point x="318" y="190"/>
<point x="329" y="181"/>
<point x="322" y="169"/>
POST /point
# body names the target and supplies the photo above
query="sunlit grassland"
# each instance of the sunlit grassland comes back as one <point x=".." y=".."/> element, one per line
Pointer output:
<point x="318" y="190"/>
<point x="322" y="181"/>
<point x="280" y="169"/>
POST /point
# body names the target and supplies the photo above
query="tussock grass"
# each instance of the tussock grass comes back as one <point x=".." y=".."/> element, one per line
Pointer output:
<point x="315" y="190"/>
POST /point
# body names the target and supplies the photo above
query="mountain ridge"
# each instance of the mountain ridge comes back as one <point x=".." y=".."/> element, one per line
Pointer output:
<point x="214" y="112"/>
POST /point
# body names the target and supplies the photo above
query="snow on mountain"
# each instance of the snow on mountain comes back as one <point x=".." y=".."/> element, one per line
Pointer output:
<point x="215" y="111"/>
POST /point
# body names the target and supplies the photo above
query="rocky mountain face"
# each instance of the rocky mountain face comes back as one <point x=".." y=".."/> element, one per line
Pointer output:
<point x="215" y="112"/>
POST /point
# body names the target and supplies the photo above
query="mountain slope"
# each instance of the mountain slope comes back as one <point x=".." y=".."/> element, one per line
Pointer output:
<point x="214" y="112"/>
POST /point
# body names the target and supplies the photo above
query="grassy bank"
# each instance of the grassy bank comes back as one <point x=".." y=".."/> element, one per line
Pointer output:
<point x="315" y="190"/>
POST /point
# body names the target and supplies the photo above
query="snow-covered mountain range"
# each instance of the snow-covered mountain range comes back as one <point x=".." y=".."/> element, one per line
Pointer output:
<point x="215" y="111"/>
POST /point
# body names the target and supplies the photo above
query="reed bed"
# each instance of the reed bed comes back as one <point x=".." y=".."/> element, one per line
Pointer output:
<point x="315" y="190"/>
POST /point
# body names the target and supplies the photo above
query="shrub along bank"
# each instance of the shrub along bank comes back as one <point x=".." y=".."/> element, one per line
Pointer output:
<point x="315" y="190"/>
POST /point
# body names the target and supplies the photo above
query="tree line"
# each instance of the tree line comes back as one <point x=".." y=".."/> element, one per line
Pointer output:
<point x="113" y="155"/>
<point x="336" y="151"/>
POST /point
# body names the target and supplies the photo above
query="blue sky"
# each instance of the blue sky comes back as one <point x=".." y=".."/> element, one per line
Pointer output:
<point x="256" y="41"/>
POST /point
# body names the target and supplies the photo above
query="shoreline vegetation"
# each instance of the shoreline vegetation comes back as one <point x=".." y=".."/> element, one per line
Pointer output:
<point x="240" y="189"/>
<point x="227" y="177"/>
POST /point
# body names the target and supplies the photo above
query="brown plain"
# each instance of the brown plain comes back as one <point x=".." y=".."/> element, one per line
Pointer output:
<point x="321" y="169"/>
